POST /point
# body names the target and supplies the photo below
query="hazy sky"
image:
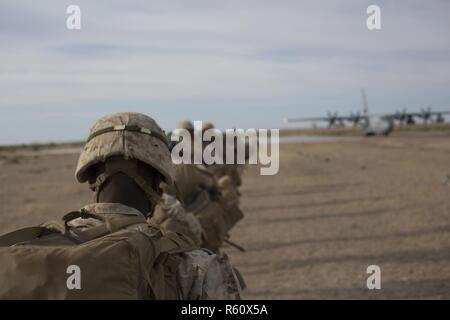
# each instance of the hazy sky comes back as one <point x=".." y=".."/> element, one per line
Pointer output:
<point x="237" y="63"/>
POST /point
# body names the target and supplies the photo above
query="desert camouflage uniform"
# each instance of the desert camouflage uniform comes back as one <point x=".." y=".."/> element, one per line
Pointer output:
<point x="198" y="191"/>
<point x="228" y="176"/>
<point x="201" y="274"/>
<point x="170" y="215"/>
<point x="205" y="213"/>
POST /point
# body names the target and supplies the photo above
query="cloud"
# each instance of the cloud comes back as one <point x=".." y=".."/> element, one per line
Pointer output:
<point x="182" y="53"/>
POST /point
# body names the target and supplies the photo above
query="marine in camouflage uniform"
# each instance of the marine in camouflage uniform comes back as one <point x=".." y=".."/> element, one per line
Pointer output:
<point x="125" y="160"/>
<point x="201" y="274"/>
<point x="205" y="207"/>
<point x="170" y="214"/>
<point x="229" y="179"/>
<point x="197" y="201"/>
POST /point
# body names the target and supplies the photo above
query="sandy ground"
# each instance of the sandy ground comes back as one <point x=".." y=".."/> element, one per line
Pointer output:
<point x="311" y="231"/>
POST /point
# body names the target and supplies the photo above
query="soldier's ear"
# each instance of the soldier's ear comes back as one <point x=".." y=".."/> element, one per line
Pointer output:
<point x="94" y="171"/>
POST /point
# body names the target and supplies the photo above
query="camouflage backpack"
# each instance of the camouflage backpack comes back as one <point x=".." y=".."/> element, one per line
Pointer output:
<point x="123" y="258"/>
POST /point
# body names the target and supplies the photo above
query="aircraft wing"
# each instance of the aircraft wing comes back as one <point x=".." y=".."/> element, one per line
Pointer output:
<point x="313" y="119"/>
<point x="439" y="112"/>
<point x="414" y="114"/>
<point x="288" y="120"/>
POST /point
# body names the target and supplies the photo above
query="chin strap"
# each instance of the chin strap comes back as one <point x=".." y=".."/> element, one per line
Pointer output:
<point x="132" y="170"/>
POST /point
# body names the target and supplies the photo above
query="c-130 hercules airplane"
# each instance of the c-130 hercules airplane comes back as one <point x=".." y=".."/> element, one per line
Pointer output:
<point x="376" y="124"/>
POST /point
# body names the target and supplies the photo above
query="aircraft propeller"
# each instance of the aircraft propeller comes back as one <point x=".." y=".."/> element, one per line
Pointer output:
<point x="425" y="114"/>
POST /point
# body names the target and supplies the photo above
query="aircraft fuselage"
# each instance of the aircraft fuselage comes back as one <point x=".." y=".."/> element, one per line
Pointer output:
<point x="376" y="125"/>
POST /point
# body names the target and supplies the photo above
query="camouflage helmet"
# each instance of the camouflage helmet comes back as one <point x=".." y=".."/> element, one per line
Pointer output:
<point x="207" y="125"/>
<point x="128" y="134"/>
<point x="188" y="125"/>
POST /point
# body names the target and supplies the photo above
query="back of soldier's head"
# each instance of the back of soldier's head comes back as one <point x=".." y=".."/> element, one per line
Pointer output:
<point x="129" y="143"/>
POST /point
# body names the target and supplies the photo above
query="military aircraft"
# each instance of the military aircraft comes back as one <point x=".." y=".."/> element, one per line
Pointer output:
<point x="372" y="125"/>
<point x="376" y="124"/>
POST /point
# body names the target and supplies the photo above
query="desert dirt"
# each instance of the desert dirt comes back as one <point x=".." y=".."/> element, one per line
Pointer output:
<point x="310" y="231"/>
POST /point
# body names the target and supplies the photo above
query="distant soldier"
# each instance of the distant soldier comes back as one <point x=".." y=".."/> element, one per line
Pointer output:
<point x="169" y="213"/>
<point x="229" y="178"/>
<point x="109" y="244"/>
<point x="196" y="194"/>
<point x="201" y="206"/>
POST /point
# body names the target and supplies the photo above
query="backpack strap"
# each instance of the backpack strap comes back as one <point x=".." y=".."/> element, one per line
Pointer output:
<point x="83" y="213"/>
<point x="25" y="234"/>
<point x="110" y="224"/>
